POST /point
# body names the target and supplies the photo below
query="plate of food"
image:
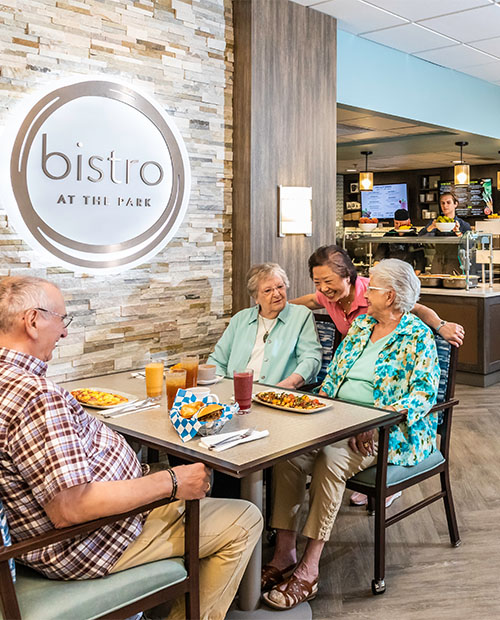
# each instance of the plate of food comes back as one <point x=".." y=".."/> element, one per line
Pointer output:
<point x="291" y="401"/>
<point x="101" y="398"/>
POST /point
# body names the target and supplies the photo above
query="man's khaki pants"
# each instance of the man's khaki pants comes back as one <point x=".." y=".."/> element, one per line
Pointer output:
<point x="330" y="467"/>
<point x="229" y="530"/>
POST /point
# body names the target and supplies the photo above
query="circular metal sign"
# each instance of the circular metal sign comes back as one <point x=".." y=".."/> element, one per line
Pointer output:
<point x="98" y="176"/>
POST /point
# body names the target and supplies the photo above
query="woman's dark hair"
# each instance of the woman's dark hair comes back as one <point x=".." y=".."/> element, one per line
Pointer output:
<point x="336" y="258"/>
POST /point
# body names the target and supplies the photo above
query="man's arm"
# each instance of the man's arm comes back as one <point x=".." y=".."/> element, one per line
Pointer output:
<point x="86" y="502"/>
<point x="307" y="300"/>
<point x="451" y="332"/>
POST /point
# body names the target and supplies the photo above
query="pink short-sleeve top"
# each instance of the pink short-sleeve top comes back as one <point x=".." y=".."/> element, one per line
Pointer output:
<point x="359" y="305"/>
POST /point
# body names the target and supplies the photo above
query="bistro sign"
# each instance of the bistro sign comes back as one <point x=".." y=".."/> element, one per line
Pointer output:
<point x="98" y="176"/>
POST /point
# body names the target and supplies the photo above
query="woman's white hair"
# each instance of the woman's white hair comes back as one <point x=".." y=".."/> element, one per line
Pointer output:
<point x="18" y="294"/>
<point x="399" y="277"/>
<point x="256" y="273"/>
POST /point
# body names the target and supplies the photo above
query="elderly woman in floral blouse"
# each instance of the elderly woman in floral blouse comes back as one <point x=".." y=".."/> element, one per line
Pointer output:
<point x="388" y="359"/>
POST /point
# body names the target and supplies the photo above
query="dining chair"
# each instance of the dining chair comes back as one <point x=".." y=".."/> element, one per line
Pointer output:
<point x="329" y="339"/>
<point x="383" y="479"/>
<point x="26" y="594"/>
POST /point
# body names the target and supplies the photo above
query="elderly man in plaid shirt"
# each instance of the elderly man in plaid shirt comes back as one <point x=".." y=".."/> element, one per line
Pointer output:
<point x="61" y="466"/>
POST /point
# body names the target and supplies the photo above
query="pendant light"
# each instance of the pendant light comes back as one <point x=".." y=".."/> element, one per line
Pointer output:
<point x="461" y="170"/>
<point x="498" y="179"/>
<point x="366" y="178"/>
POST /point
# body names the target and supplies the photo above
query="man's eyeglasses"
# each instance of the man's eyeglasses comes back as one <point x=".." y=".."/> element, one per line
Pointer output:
<point x="65" y="318"/>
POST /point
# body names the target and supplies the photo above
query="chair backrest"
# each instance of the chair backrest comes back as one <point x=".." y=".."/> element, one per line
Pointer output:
<point x="447" y="358"/>
<point x="5" y="538"/>
<point x="329" y="339"/>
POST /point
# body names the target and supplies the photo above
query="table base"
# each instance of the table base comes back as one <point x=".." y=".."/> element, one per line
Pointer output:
<point x="301" y="612"/>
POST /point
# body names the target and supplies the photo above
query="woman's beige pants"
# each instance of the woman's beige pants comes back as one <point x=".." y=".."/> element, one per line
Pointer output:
<point x="229" y="530"/>
<point x="330" y="467"/>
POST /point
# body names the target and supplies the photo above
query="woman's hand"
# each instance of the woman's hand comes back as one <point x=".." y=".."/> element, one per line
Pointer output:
<point x="453" y="333"/>
<point x="363" y="443"/>
<point x="292" y="382"/>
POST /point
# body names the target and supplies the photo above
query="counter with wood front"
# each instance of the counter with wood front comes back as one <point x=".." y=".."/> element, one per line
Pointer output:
<point x="478" y="310"/>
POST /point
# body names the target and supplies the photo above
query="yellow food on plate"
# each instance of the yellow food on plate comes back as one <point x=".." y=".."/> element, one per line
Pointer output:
<point x="97" y="398"/>
<point x="177" y="367"/>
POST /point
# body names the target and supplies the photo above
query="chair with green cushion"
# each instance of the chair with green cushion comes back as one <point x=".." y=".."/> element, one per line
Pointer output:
<point x="397" y="478"/>
<point x="28" y="595"/>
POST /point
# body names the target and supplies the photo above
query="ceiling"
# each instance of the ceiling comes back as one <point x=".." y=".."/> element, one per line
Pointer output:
<point x="459" y="34"/>
<point x="463" y="35"/>
<point x="402" y="144"/>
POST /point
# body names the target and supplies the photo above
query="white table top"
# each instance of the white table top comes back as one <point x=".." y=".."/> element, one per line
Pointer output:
<point x="290" y="433"/>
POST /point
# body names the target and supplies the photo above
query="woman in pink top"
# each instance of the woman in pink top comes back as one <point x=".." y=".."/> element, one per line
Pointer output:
<point x="341" y="292"/>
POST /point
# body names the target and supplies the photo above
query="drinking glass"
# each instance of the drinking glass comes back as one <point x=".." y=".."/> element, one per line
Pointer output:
<point x="243" y="384"/>
<point x="154" y="379"/>
<point x="175" y="379"/>
<point x="190" y="363"/>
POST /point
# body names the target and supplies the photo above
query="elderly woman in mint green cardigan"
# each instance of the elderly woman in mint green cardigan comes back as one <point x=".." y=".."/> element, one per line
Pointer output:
<point x="388" y="359"/>
<point x="276" y="339"/>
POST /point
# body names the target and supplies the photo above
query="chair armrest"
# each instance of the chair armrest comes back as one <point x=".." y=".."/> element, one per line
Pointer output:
<point x="444" y="405"/>
<point x="56" y="535"/>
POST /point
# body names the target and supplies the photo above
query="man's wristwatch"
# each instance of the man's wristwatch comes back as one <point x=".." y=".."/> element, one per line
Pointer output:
<point x="441" y="323"/>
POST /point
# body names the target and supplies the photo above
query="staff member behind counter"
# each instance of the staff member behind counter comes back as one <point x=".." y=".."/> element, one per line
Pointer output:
<point x="411" y="254"/>
<point x="446" y="258"/>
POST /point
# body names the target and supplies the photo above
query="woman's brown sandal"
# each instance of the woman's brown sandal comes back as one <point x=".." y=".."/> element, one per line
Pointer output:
<point x="272" y="576"/>
<point x="296" y="591"/>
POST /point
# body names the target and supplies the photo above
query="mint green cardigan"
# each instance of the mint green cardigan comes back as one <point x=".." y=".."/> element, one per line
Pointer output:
<point x="292" y="345"/>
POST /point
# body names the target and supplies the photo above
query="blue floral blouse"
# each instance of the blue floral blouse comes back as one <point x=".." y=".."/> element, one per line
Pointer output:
<point x="405" y="376"/>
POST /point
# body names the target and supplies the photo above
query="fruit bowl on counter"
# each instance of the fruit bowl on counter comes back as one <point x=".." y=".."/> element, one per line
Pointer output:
<point x="445" y="224"/>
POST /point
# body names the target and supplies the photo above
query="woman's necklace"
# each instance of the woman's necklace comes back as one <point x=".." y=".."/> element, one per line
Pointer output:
<point x="267" y="327"/>
<point x="345" y="303"/>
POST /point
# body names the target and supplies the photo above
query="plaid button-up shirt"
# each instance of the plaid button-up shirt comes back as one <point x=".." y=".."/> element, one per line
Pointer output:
<point x="48" y="443"/>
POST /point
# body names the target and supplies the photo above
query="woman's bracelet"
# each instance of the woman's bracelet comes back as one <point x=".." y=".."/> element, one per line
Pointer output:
<point x="174" y="485"/>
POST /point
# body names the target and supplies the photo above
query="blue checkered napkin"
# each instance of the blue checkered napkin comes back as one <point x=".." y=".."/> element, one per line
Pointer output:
<point x="4" y="529"/>
<point x="188" y="428"/>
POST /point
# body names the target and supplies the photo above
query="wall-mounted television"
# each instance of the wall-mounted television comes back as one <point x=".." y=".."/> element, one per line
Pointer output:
<point x="384" y="200"/>
<point x="474" y="200"/>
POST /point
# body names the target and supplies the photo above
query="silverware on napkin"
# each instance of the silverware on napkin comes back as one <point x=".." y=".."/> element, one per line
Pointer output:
<point x="141" y="405"/>
<point x="237" y="437"/>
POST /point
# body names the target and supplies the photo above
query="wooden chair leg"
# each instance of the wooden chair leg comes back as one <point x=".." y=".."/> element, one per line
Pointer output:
<point x="378" y="583"/>
<point x="449" y="508"/>
<point x="370" y="506"/>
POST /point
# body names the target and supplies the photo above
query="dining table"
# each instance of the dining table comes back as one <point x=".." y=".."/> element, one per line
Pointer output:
<point x="290" y="434"/>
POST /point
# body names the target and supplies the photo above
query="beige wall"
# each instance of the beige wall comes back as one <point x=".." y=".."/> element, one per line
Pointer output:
<point x="180" y="52"/>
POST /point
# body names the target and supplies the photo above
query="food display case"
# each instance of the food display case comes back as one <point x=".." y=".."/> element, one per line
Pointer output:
<point x="362" y="248"/>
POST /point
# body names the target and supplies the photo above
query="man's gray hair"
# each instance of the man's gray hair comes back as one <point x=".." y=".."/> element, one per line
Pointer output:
<point x="18" y="294"/>
<point x="257" y="273"/>
<point x="399" y="277"/>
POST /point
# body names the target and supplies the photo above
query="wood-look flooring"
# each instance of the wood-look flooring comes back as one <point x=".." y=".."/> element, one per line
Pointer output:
<point x="427" y="578"/>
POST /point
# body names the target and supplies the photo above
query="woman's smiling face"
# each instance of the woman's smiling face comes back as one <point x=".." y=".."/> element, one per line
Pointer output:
<point x="330" y="284"/>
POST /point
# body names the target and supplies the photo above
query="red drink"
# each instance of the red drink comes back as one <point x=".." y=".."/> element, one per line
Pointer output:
<point x="243" y="384"/>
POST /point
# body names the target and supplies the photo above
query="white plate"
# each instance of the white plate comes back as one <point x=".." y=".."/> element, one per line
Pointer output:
<point x="210" y="381"/>
<point x="130" y="397"/>
<point x="326" y="403"/>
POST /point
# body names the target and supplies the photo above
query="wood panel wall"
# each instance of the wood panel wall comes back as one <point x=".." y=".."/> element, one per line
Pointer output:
<point x="284" y="134"/>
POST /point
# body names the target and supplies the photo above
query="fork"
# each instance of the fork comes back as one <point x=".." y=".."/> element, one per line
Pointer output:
<point x="242" y="435"/>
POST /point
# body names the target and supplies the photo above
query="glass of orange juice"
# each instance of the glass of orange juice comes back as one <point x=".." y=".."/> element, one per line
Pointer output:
<point x="175" y="379"/>
<point x="190" y="363"/>
<point x="154" y="379"/>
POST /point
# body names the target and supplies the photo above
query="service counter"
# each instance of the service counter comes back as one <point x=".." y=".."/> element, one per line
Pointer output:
<point x="478" y="310"/>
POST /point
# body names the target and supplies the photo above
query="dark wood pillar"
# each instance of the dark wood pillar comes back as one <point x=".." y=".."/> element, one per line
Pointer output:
<point x="284" y="134"/>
